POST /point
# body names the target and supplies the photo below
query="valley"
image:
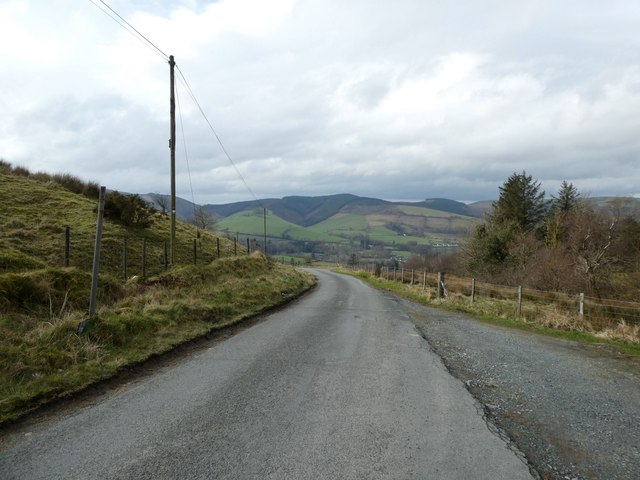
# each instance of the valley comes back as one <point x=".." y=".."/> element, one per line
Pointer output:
<point x="343" y="228"/>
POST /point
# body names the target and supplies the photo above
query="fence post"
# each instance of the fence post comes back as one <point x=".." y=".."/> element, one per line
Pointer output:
<point x="125" y="260"/>
<point x="67" y="245"/>
<point x="394" y="273"/>
<point x="195" y="251"/>
<point x="473" y="290"/>
<point x="582" y="304"/>
<point x="439" y="285"/>
<point x="248" y="246"/>
<point x="519" y="301"/>
<point x="144" y="258"/>
<point x="412" y="276"/>
<point x="424" y="280"/>
<point x="166" y="256"/>
<point x="402" y="275"/>
<point x="96" y="257"/>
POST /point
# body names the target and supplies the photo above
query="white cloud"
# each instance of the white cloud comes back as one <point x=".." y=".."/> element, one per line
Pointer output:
<point x="412" y="99"/>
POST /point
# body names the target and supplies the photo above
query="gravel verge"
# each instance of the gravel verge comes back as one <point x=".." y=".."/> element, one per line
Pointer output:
<point x="573" y="409"/>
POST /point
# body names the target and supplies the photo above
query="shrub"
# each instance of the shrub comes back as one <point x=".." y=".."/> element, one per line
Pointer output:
<point x="5" y="167"/>
<point x="91" y="190"/>
<point x="21" y="171"/>
<point x="130" y="210"/>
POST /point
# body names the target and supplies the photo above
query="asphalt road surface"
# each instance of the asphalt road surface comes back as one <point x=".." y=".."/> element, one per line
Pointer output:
<point x="340" y="385"/>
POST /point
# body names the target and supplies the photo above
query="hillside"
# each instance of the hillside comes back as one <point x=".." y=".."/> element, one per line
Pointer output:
<point x="308" y="211"/>
<point x="347" y="216"/>
<point x="367" y="228"/>
<point x="49" y="348"/>
<point x="34" y="215"/>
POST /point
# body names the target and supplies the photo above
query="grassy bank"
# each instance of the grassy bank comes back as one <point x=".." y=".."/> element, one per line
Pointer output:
<point x="42" y="356"/>
<point x="545" y="319"/>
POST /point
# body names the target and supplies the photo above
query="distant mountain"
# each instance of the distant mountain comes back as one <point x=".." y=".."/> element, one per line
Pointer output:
<point x="446" y="205"/>
<point x="308" y="211"/>
<point x="303" y="211"/>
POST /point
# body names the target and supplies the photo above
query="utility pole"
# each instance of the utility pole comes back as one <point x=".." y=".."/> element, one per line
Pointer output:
<point x="172" y="146"/>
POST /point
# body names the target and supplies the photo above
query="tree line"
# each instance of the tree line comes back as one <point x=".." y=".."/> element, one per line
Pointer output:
<point x="562" y="244"/>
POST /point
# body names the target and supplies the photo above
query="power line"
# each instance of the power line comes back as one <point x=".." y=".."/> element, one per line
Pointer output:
<point x="186" y="154"/>
<point x="128" y="27"/>
<point x="204" y="115"/>
<point x="140" y="37"/>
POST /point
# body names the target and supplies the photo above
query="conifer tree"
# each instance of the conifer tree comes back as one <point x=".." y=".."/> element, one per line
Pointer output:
<point x="567" y="198"/>
<point x="521" y="203"/>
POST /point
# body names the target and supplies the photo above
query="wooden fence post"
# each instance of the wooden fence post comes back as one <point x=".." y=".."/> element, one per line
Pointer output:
<point x="424" y="280"/>
<point x="166" y="256"/>
<point x="519" y="301"/>
<point x="96" y="257"/>
<point x="125" y="259"/>
<point x="67" y="245"/>
<point x="144" y="258"/>
<point x="582" y="304"/>
<point x="195" y="251"/>
<point x="412" y="276"/>
<point x="473" y="290"/>
<point x="439" y="285"/>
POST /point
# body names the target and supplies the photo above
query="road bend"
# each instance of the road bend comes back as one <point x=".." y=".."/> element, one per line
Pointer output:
<point x="339" y="385"/>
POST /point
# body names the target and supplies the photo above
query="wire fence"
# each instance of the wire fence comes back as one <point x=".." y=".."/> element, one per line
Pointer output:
<point x="599" y="311"/>
<point x="133" y="255"/>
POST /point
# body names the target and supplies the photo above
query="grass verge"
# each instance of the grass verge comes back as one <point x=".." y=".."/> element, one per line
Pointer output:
<point x="538" y="318"/>
<point x="42" y="356"/>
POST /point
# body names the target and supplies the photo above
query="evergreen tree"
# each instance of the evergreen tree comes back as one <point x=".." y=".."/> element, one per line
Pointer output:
<point x="567" y="198"/>
<point x="521" y="203"/>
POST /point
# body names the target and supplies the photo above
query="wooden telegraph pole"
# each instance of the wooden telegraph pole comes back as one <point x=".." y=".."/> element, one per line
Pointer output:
<point x="172" y="146"/>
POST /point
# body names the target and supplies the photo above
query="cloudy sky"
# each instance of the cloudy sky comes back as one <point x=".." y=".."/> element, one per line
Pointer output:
<point x="401" y="100"/>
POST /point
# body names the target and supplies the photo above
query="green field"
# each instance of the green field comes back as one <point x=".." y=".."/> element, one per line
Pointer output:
<point x="252" y="223"/>
<point x="411" y="225"/>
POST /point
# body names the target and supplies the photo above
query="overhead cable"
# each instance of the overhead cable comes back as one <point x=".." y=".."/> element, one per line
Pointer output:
<point x="204" y="115"/>
<point x="130" y="28"/>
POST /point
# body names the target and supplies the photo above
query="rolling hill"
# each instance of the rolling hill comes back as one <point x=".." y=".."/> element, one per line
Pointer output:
<point x="359" y="222"/>
<point x="299" y="224"/>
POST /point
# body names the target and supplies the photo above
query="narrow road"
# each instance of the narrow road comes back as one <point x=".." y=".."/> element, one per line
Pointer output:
<point x="340" y="385"/>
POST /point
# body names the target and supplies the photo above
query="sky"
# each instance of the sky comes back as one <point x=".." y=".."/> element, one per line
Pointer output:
<point x="399" y="100"/>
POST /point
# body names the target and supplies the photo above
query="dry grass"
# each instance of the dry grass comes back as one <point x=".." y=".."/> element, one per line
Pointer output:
<point x="622" y="331"/>
<point x="542" y="317"/>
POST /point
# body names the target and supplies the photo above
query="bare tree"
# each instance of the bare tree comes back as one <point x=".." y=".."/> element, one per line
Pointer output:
<point x="591" y="237"/>
<point x="162" y="201"/>
<point x="202" y="219"/>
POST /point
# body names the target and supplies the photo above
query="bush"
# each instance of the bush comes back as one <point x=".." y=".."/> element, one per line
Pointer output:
<point x="5" y="167"/>
<point x="130" y="210"/>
